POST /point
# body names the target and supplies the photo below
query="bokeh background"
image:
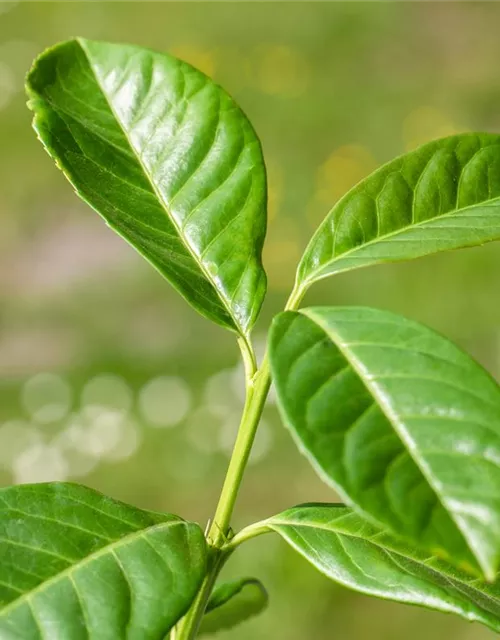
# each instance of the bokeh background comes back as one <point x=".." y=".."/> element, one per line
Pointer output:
<point x="108" y="378"/>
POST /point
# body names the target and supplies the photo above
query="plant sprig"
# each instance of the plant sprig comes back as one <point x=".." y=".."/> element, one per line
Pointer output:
<point x="397" y="419"/>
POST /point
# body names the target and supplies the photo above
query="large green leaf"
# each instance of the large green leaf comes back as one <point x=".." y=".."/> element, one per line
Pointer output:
<point x="445" y="195"/>
<point x="401" y="422"/>
<point x="232" y="603"/>
<point x="363" y="557"/>
<point x="75" y="564"/>
<point x="169" y="161"/>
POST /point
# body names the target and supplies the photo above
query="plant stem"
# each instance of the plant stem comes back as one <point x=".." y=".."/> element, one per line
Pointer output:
<point x="189" y="625"/>
<point x="257" y="388"/>
<point x="254" y="405"/>
<point x="257" y="384"/>
<point x="298" y="292"/>
<point x="248" y="357"/>
<point x="254" y="530"/>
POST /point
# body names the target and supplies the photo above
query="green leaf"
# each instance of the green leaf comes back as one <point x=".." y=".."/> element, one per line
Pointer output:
<point x="445" y="195"/>
<point x="232" y="603"/>
<point x="365" y="558"/>
<point x="168" y="160"/>
<point x="78" y="565"/>
<point x="402" y="423"/>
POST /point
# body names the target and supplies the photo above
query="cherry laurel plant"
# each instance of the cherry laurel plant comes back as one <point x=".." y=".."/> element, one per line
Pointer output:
<point x="402" y="424"/>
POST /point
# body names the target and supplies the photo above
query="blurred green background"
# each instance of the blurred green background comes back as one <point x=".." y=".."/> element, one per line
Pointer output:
<point x="108" y="378"/>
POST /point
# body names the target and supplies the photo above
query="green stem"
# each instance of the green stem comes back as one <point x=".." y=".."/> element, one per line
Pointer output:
<point x="257" y="390"/>
<point x="298" y="292"/>
<point x="248" y="357"/>
<point x="254" y="530"/>
<point x="257" y="384"/>
<point x="190" y="624"/>
<point x="254" y="405"/>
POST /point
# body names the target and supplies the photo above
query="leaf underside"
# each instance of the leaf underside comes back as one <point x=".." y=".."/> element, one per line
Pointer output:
<point x="402" y="423"/>
<point x="365" y="558"/>
<point x="232" y="603"/>
<point x="445" y="195"/>
<point x="168" y="159"/>
<point x="75" y="564"/>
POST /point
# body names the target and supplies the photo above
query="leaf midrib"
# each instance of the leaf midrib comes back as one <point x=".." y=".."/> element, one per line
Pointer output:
<point x="320" y="274"/>
<point x="66" y="573"/>
<point x="161" y="199"/>
<point x="393" y="420"/>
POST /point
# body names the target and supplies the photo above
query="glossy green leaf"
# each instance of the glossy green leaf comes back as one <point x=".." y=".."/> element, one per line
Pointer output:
<point x="168" y="160"/>
<point x="365" y="558"/>
<point x="75" y="564"/>
<point x="232" y="603"/>
<point x="445" y="195"/>
<point x="400" y="421"/>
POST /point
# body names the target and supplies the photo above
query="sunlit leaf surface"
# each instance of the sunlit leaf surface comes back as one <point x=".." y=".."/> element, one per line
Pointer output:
<point x="75" y="564"/>
<point x="400" y="421"/>
<point x="169" y="161"/>
<point x="363" y="557"/>
<point x="445" y="195"/>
